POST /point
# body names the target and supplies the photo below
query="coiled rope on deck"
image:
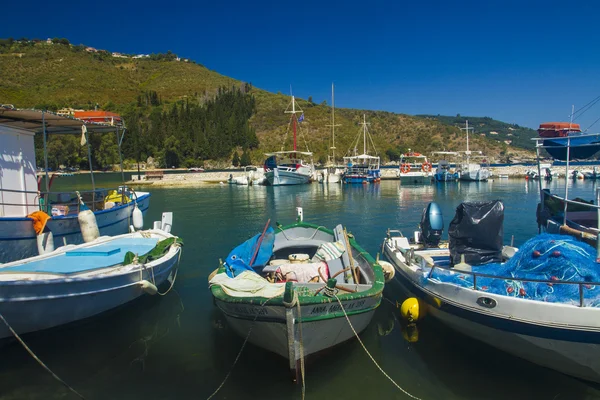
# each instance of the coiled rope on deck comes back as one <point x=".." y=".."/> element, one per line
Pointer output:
<point x="369" y="354"/>
<point x="37" y="359"/>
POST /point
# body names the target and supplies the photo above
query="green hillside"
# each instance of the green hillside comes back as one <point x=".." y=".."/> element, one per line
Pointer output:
<point x="491" y="128"/>
<point x="151" y="91"/>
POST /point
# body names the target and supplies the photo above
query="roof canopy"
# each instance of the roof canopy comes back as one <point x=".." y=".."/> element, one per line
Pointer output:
<point x="33" y="121"/>
<point x="362" y="156"/>
<point x="282" y="153"/>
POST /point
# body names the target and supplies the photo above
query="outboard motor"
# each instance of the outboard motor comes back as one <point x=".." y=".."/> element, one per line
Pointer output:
<point x="432" y="225"/>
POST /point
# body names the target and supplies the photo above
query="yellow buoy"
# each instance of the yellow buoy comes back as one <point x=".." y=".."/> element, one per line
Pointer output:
<point x="412" y="309"/>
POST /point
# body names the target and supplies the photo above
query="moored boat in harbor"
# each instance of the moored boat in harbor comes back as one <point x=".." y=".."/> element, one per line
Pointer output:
<point x="362" y="168"/>
<point x="288" y="167"/>
<point x="539" y="302"/>
<point x="414" y="168"/>
<point x="22" y="193"/>
<point x="75" y="282"/>
<point x="298" y="288"/>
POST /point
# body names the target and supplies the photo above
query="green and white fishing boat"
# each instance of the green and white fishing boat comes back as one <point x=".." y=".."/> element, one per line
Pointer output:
<point x="298" y="289"/>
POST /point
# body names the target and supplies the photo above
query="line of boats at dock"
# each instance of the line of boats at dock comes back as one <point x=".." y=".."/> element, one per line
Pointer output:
<point x="299" y="289"/>
<point x="303" y="288"/>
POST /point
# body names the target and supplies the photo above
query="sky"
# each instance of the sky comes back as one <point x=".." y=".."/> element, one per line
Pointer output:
<point x="522" y="62"/>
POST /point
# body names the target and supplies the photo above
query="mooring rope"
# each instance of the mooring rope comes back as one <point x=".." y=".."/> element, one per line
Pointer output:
<point x="302" y="368"/>
<point x="238" y="355"/>
<point x="369" y="354"/>
<point x="37" y="359"/>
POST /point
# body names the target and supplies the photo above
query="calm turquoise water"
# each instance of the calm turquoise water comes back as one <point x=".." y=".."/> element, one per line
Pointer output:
<point x="179" y="347"/>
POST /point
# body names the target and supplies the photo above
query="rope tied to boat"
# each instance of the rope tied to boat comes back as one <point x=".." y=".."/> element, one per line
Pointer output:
<point x="369" y="354"/>
<point x="239" y="353"/>
<point x="36" y="358"/>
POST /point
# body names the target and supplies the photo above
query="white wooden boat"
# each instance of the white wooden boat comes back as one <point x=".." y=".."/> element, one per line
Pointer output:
<point x="75" y="282"/>
<point x="288" y="167"/>
<point x="414" y="168"/>
<point x="362" y="168"/>
<point x="470" y="170"/>
<point x="288" y="313"/>
<point x="333" y="172"/>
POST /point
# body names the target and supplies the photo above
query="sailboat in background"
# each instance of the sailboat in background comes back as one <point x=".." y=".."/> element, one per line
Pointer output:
<point x="287" y="167"/>
<point x="473" y="171"/>
<point x="333" y="172"/>
<point x="363" y="168"/>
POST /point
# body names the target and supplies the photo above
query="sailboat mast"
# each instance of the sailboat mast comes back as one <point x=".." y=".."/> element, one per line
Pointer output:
<point x="467" y="128"/>
<point x="294" y="119"/>
<point x="332" y="124"/>
<point x="364" y="134"/>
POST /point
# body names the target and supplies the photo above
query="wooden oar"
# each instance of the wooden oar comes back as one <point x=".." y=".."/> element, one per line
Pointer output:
<point x="349" y="249"/>
<point x="258" y="243"/>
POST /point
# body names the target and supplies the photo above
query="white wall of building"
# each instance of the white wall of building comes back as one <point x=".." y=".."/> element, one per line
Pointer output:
<point x="17" y="172"/>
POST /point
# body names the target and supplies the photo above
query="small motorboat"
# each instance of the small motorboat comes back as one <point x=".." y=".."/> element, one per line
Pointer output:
<point x="75" y="282"/>
<point x="297" y="287"/>
<point x="540" y="302"/>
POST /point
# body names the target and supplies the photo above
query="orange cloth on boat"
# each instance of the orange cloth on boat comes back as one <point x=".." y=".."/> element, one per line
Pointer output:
<point x="40" y="219"/>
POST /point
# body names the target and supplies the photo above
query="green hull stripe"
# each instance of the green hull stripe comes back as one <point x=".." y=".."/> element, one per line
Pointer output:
<point x="375" y="290"/>
<point x="334" y="315"/>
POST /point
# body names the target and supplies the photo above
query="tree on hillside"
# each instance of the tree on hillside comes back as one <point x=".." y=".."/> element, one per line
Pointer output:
<point x="235" y="161"/>
<point x="171" y="155"/>
<point x="245" y="160"/>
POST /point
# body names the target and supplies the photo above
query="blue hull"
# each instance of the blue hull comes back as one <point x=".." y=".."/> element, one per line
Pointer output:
<point x="18" y="239"/>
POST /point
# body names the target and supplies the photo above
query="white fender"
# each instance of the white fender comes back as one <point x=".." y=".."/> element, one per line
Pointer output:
<point x="138" y="218"/>
<point x="148" y="287"/>
<point x="88" y="225"/>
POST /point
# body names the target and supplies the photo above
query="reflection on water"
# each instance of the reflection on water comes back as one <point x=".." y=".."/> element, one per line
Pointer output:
<point x="179" y="346"/>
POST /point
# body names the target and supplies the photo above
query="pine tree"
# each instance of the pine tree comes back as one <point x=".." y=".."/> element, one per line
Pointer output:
<point x="245" y="160"/>
<point x="236" y="159"/>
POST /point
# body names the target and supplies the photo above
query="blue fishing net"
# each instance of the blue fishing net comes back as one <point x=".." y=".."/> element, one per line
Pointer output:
<point x="545" y="257"/>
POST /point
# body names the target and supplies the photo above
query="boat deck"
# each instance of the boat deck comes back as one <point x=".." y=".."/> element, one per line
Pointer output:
<point x="84" y="259"/>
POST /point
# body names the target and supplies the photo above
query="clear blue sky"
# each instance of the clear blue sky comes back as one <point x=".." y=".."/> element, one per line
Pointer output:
<point x="517" y="61"/>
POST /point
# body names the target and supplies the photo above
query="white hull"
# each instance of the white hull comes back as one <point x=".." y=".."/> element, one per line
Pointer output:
<point x="272" y="334"/>
<point x="415" y="177"/>
<point x="334" y="178"/>
<point x="571" y="358"/>
<point x="18" y="239"/>
<point x="479" y="175"/>
<point x="279" y="178"/>
<point x="33" y="304"/>
<point x="560" y="336"/>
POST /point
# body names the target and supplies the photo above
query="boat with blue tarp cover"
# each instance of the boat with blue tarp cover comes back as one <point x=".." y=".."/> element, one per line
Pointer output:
<point x="298" y="288"/>
<point x="75" y="282"/>
<point x="540" y="302"/>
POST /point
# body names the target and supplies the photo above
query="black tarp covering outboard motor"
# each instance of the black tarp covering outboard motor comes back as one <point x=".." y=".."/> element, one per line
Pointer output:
<point x="477" y="231"/>
<point x="432" y="225"/>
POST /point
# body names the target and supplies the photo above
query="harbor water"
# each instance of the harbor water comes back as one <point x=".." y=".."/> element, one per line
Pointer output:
<point x="180" y="347"/>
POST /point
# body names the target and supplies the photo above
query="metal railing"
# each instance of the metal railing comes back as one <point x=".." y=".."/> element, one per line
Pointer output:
<point x="91" y="198"/>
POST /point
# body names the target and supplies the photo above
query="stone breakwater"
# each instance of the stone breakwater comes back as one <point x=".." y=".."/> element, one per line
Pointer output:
<point x="201" y="178"/>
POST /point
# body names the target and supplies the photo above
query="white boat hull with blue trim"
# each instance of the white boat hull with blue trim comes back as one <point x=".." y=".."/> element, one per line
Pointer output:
<point x="76" y="282"/>
<point x="560" y="336"/>
<point x="279" y="177"/>
<point x="18" y="239"/>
